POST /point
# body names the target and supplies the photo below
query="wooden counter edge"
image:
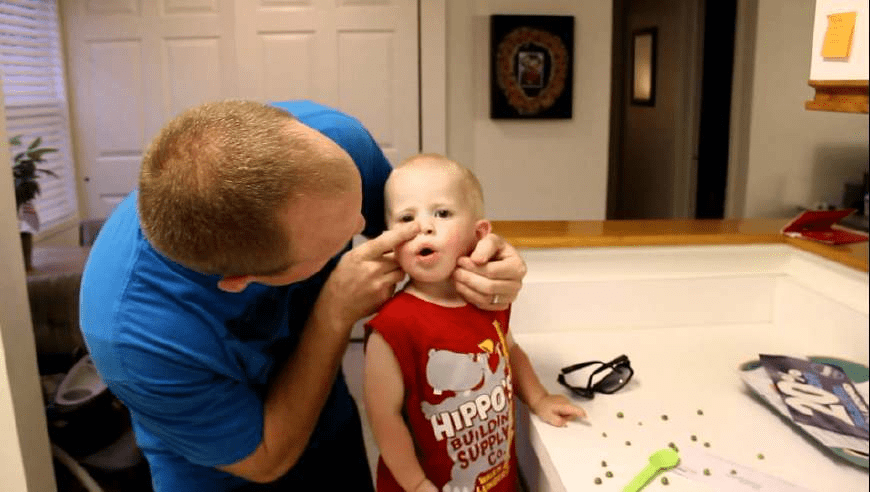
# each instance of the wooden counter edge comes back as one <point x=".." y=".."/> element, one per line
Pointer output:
<point x="578" y="234"/>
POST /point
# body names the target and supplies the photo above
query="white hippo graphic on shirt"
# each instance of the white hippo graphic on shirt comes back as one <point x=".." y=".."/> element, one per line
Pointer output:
<point x="477" y="422"/>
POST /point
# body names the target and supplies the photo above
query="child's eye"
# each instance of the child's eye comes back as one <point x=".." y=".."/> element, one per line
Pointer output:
<point x="406" y="218"/>
<point x="443" y="214"/>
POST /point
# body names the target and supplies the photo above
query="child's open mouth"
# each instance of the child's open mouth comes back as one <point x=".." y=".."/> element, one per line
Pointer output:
<point x="427" y="256"/>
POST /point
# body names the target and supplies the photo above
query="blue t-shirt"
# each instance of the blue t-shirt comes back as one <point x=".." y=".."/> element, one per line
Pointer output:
<point x="192" y="362"/>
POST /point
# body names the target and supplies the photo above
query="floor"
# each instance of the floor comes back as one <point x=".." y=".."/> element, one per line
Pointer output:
<point x="136" y="479"/>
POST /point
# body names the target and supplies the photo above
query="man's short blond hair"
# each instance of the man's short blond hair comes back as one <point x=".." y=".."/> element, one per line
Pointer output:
<point x="216" y="179"/>
<point x="473" y="191"/>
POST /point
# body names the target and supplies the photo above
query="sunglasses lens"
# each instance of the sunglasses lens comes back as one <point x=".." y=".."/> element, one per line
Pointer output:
<point x="580" y="377"/>
<point x="611" y="381"/>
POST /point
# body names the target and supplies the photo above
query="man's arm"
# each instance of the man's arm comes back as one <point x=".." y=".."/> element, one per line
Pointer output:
<point x="384" y="397"/>
<point x="364" y="279"/>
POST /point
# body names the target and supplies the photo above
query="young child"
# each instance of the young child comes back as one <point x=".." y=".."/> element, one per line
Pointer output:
<point x="440" y="374"/>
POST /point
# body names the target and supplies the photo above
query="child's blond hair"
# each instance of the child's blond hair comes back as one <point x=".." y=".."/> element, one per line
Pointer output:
<point x="467" y="180"/>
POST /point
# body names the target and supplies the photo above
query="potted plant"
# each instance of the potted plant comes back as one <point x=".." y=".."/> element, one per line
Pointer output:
<point x="25" y="172"/>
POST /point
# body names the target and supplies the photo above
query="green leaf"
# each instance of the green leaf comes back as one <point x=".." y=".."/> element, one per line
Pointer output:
<point x="48" y="172"/>
<point x="25" y="170"/>
<point x="37" y="154"/>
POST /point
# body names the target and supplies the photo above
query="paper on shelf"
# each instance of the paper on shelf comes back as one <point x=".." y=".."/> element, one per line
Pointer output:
<point x="726" y="475"/>
<point x="838" y="37"/>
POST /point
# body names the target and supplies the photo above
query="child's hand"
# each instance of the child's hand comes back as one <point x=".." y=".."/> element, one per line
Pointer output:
<point x="557" y="410"/>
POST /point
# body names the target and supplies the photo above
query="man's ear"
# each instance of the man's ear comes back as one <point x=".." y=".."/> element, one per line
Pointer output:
<point x="482" y="228"/>
<point x="235" y="283"/>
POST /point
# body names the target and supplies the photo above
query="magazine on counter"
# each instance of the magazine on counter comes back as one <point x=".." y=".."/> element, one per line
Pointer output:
<point x="817" y="397"/>
<point x="820" y="226"/>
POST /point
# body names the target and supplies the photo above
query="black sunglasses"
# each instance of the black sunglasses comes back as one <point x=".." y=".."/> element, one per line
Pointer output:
<point x="607" y="377"/>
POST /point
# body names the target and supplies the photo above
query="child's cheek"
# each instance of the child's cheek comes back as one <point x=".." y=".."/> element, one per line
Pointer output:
<point x="460" y="244"/>
<point x="403" y="249"/>
<point x="404" y="255"/>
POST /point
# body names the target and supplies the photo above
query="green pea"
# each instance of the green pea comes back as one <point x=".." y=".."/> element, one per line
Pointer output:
<point x="707" y="471"/>
<point x="620" y="415"/>
<point x="597" y="481"/>
<point x="760" y="456"/>
<point x="609" y="474"/>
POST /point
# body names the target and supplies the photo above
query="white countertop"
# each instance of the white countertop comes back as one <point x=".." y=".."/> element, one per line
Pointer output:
<point x="678" y="371"/>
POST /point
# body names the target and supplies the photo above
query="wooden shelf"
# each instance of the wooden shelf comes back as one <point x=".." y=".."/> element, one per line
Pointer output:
<point x="845" y="96"/>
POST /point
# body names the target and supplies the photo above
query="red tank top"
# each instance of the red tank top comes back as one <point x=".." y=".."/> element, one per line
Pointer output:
<point x="458" y="392"/>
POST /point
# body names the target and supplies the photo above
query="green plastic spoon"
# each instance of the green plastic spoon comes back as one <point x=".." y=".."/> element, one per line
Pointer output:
<point x="662" y="459"/>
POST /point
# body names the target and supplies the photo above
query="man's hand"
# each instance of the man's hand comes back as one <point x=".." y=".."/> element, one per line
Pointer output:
<point x="366" y="276"/>
<point x="491" y="277"/>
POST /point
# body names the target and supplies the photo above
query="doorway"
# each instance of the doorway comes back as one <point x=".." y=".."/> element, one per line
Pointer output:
<point x="715" y="120"/>
<point x="670" y="160"/>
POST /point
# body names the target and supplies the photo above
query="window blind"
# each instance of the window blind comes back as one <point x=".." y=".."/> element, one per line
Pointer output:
<point x="34" y="90"/>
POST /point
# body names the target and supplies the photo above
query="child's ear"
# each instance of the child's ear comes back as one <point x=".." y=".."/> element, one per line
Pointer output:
<point x="482" y="228"/>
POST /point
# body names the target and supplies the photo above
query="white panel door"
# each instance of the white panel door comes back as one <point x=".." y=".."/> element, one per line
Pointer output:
<point x="359" y="56"/>
<point x="134" y="64"/>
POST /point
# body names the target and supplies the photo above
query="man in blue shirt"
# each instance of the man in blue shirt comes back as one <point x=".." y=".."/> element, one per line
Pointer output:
<point x="218" y="298"/>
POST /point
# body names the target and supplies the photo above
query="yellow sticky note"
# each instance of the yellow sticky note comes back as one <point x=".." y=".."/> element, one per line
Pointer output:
<point x="838" y="37"/>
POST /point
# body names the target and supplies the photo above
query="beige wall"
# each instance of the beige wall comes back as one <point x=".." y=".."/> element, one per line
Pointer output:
<point x="25" y="459"/>
<point x="796" y="157"/>
<point x="534" y="169"/>
<point x="556" y="169"/>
